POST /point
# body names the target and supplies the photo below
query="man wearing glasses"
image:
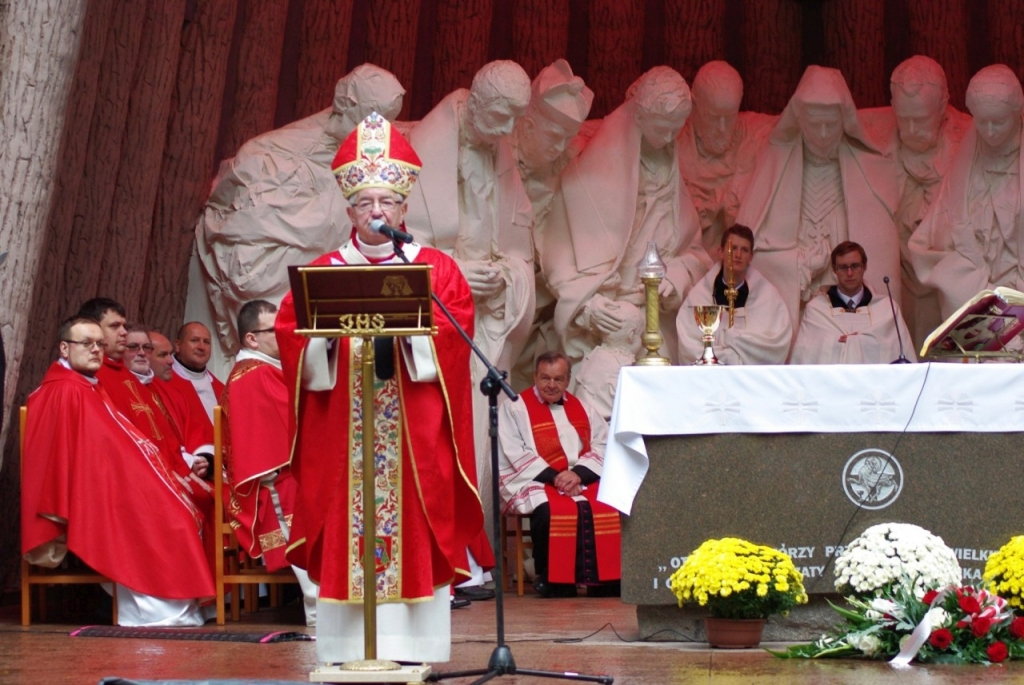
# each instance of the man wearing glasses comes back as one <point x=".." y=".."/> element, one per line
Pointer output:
<point x="83" y="458"/>
<point x="847" y="324"/>
<point x="257" y="447"/>
<point x="138" y="352"/>
<point x="428" y="508"/>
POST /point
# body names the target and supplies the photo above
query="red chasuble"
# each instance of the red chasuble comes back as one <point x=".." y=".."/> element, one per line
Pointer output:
<point x="428" y="506"/>
<point x="90" y="474"/>
<point x="256" y="443"/>
<point x="564" y="512"/>
<point x="196" y="426"/>
<point x="140" y="405"/>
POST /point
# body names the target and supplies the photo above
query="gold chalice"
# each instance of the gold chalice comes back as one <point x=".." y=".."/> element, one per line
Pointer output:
<point x="708" y="316"/>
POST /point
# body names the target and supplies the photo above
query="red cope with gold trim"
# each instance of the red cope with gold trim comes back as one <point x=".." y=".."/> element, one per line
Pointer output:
<point x="564" y="512"/>
<point x="439" y="507"/>
<point x="256" y="443"/>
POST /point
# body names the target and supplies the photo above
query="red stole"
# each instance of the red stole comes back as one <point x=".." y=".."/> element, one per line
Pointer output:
<point x="564" y="512"/>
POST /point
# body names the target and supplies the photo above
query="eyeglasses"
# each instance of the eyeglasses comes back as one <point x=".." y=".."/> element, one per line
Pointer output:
<point x="88" y="344"/>
<point x="263" y="330"/>
<point x="386" y="204"/>
<point x="134" y="347"/>
<point x="849" y="267"/>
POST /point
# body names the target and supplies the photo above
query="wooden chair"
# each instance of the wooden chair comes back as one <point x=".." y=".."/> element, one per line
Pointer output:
<point x="234" y="567"/>
<point x="71" y="571"/>
<point x="514" y="542"/>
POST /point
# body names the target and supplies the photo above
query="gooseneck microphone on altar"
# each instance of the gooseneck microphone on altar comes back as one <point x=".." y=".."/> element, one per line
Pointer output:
<point x="895" y="322"/>
<point x="378" y="226"/>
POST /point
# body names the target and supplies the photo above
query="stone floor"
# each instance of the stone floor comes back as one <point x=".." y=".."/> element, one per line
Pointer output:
<point x="594" y="636"/>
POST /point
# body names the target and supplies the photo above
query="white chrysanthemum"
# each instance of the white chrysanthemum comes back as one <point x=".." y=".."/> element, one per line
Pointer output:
<point x="886" y="553"/>
<point x="869" y="644"/>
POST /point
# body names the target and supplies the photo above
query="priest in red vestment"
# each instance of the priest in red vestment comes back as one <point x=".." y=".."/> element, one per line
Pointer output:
<point x="200" y="390"/>
<point x="552" y="455"/>
<point x="428" y="508"/>
<point x="257" y="448"/>
<point x="94" y="485"/>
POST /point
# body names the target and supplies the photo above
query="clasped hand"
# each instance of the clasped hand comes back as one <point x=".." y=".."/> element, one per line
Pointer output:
<point x="568" y="483"/>
<point x="484" y="278"/>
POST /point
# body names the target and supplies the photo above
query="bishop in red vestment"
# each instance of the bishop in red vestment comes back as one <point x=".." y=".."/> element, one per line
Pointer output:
<point x="428" y="508"/>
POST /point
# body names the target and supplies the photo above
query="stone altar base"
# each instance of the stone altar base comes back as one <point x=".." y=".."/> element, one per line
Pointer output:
<point x="805" y="623"/>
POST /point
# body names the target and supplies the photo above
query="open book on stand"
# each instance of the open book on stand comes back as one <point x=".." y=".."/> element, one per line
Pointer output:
<point x="986" y="326"/>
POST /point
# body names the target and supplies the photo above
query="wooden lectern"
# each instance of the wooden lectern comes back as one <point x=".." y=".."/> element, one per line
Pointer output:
<point x="365" y="302"/>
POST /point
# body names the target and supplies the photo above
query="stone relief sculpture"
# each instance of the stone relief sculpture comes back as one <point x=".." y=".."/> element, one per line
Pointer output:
<point x="820" y="181"/>
<point x="623" y="191"/>
<point x="543" y="141"/>
<point x="470" y="203"/>
<point x="594" y="379"/>
<point x="277" y="203"/>
<point x="971" y="237"/>
<point x="922" y="131"/>
<point x="719" y="147"/>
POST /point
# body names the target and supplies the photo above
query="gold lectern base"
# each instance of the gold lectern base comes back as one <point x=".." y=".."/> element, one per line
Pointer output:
<point x="369" y="671"/>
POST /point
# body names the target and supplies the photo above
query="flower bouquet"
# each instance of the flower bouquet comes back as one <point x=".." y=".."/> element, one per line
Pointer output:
<point x="737" y="579"/>
<point x="1004" y="572"/>
<point x="957" y="625"/>
<point x="890" y="553"/>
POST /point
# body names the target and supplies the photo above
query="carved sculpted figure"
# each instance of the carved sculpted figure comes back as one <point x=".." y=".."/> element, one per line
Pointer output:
<point x="922" y="131"/>
<point x="470" y="204"/>
<point x="543" y="141"/>
<point x="821" y="181"/>
<point x="277" y="203"/>
<point x="623" y="191"/>
<point x="719" y="148"/>
<point x="971" y="237"/>
<point x="597" y="375"/>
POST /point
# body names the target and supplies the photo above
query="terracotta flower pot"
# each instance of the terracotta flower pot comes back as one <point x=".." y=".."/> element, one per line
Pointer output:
<point x="734" y="633"/>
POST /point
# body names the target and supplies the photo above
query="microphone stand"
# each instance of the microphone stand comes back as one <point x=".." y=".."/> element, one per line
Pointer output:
<point x="501" y="662"/>
<point x="902" y="359"/>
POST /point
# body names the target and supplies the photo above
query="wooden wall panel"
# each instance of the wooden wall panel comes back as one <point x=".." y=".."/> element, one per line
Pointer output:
<point x="1006" y="34"/>
<point x="254" y="92"/>
<point x="937" y="29"/>
<point x="96" y="250"/>
<point x="615" y="53"/>
<point x="48" y="302"/>
<point x="323" y="54"/>
<point x="188" y="162"/>
<point x="862" y="62"/>
<point x="145" y="137"/>
<point x="391" y="42"/>
<point x="39" y="44"/>
<point x="694" y="34"/>
<point x="540" y="33"/>
<point x="773" y="59"/>
<point x="460" y="44"/>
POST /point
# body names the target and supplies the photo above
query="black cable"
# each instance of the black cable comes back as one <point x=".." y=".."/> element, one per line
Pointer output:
<point x="576" y="640"/>
<point x="888" y="461"/>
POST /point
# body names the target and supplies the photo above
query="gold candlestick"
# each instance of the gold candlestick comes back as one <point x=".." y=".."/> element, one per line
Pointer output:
<point x="652" y="270"/>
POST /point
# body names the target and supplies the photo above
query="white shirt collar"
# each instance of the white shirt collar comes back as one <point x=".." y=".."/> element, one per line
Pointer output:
<point x="247" y="353"/>
<point x="64" y="362"/>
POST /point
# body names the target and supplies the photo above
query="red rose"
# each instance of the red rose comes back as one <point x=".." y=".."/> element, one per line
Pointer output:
<point x="980" y="626"/>
<point x="1017" y="628"/>
<point x="997" y="652"/>
<point x="930" y="596"/>
<point x="961" y="624"/>
<point x="941" y="638"/>
<point x="969" y="605"/>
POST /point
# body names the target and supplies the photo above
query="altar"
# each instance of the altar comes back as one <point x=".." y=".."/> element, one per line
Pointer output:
<point x="804" y="458"/>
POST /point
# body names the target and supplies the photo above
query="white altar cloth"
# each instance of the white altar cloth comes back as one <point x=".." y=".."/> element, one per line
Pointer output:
<point x="869" y="398"/>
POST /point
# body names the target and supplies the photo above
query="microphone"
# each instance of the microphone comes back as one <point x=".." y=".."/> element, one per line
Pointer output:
<point x="378" y="226"/>
<point x="902" y="359"/>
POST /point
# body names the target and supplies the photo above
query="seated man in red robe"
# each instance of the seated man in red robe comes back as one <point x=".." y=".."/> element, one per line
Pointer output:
<point x="257" y="447"/>
<point x="80" y="453"/>
<point x="200" y="390"/>
<point x="552" y="454"/>
<point x="428" y="509"/>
